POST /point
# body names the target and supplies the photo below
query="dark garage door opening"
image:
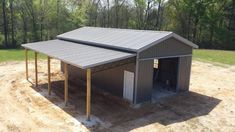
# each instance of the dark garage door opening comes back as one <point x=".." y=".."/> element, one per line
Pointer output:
<point x="165" y="77"/>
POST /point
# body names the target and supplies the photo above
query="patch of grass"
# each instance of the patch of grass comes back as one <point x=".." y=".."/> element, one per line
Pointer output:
<point x="216" y="56"/>
<point x="16" y="55"/>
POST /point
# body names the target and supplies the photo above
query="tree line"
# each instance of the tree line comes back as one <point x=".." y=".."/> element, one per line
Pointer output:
<point x="208" y="23"/>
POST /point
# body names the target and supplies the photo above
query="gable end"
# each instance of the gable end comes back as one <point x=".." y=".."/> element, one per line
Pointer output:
<point x="168" y="47"/>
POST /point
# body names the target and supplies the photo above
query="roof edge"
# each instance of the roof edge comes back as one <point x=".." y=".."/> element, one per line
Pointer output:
<point x="174" y="35"/>
<point x="79" y="66"/>
<point x="128" y="50"/>
<point x="156" y="42"/>
<point x="178" y="37"/>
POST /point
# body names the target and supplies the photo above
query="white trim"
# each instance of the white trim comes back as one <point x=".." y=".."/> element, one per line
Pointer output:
<point x="128" y="85"/>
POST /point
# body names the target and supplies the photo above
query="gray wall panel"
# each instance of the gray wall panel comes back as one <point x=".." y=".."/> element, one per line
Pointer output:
<point x="184" y="73"/>
<point x="110" y="80"/>
<point x="169" y="47"/>
<point x="144" y="81"/>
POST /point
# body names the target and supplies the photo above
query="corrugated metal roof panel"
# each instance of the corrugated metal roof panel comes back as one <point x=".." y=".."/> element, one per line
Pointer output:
<point x="83" y="56"/>
<point x="123" y="39"/>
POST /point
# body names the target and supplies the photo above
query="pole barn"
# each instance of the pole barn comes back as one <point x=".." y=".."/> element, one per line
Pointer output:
<point x="136" y="65"/>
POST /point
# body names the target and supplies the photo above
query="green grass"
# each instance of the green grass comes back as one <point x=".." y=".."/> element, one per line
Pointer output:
<point x="215" y="56"/>
<point x="16" y="55"/>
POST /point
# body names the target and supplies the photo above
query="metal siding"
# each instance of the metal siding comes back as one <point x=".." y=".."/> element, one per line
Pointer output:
<point x="144" y="81"/>
<point x="111" y="80"/>
<point x="169" y="47"/>
<point x="79" y="55"/>
<point x="184" y="70"/>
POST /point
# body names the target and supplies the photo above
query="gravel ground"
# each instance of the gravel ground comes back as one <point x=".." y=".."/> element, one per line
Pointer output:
<point x="209" y="106"/>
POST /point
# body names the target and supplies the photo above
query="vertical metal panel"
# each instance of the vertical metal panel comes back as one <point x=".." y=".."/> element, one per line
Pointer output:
<point x="110" y="80"/>
<point x="144" y="81"/>
<point x="169" y="47"/>
<point x="184" y="70"/>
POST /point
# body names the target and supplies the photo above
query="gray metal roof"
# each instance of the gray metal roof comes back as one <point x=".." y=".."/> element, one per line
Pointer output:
<point x="83" y="56"/>
<point x="123" y="39"/>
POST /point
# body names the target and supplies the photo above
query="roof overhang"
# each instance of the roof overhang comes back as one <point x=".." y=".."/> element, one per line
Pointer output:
<point x="79" y="55"/>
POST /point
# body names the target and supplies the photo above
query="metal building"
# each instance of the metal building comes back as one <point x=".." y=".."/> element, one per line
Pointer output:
<point x="136" y="65"/>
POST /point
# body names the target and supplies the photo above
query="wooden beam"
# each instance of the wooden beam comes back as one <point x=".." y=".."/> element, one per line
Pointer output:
<point x="26" y="64"/>
<point x="88" y="96"/>
<point x="65" y="83"/>
<point x="36" y="68"/>
<point x="49" y="74"/>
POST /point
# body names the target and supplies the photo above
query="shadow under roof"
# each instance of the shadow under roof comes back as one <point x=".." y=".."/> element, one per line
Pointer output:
<point x="80" y="55"/>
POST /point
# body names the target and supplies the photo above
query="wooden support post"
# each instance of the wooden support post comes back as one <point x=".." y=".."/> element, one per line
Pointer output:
<point x="65" y="83"/>
<point x="36" y="69"/>
<point x="88" y="96"/>
<point x="49" y="74"/>
<point x="26" y="64"/>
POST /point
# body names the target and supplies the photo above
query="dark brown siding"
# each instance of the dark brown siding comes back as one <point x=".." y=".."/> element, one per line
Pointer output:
<point x="184" y="73"/>
<point x="144" y="81"/>
<point x="169" y="47"/>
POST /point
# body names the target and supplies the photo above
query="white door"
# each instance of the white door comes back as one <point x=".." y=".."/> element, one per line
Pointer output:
<point x="128" y="85"/>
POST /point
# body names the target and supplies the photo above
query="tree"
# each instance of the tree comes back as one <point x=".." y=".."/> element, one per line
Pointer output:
<point x="208" y="23"/>
<point x="5" y="24"/>
<point x="12" y="24"/>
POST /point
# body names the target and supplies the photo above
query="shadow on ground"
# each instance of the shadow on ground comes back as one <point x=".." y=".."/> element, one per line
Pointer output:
<point x="173" y="109"/>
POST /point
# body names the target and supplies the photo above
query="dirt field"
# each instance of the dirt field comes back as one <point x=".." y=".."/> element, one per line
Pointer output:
<point x="209" y="106"/>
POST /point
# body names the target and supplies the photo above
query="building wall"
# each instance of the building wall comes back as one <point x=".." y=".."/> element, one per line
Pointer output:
<point x="184" y="72"/>
<point x="144" y="68"/>
<point x="144" y="81"/>
<point x="110" y="78"/>
<point x="169" y="47"/>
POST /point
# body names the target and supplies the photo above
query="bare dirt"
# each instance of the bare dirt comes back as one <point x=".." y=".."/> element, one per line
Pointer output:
<point x="209" y="106"/>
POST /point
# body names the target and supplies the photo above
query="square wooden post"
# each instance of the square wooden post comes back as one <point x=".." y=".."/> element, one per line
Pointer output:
<point x="26" y="64"/>
<point x="65" y="83"/>
<point x="49" y="74"/>
<point x="36" y="68"/>
<point x="88" y="96"/>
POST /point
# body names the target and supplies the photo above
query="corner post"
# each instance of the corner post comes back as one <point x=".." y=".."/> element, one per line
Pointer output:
<point x="65" y="83"/>
<point x="88" y="97"/>
<point x="49" y="74"/>
<point x="36" y="68"/>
